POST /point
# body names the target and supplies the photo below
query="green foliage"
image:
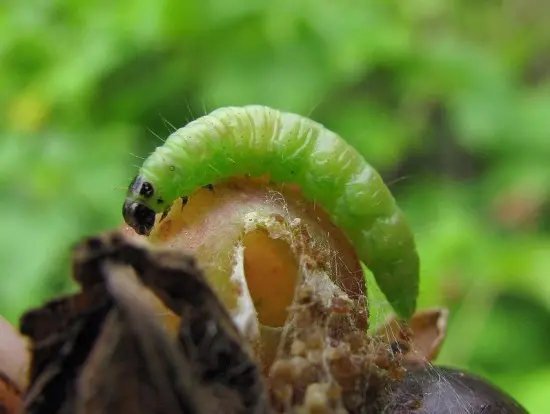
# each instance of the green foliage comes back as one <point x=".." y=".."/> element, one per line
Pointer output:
<point x="449" y="99"/>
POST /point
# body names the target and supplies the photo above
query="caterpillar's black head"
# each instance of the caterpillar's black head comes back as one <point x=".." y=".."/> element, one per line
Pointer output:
<point x="137" y="214"/>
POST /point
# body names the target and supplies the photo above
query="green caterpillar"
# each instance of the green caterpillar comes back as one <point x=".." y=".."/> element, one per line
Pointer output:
<point x="256" y="140"/>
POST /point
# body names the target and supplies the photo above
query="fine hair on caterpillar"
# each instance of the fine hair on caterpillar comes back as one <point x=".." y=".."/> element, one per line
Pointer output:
<point x="256" y="140"/>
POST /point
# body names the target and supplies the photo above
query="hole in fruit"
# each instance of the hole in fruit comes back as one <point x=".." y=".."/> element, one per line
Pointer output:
<point x="271" y="272"/>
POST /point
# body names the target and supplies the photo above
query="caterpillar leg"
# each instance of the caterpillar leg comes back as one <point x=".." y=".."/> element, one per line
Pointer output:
<point x="164" y="214"/>
<point x="184" y="201"/>
<point x="209" y="187"/>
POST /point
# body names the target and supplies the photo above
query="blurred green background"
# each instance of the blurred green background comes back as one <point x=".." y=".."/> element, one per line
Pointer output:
<point x="450" y="100"/>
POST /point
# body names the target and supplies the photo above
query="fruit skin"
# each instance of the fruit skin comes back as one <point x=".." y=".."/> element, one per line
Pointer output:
<point x="277" y="234"/>
<point x="446" y="390"/>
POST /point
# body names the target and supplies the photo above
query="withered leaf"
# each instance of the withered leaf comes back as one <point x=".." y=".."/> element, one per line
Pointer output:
<point x="208" y="337"/>
<point x="104" y="349"/>
<point x="62" y="334"/>
<point x="134" y="367"/>
<point x="172" y="275"/>
<point x="422" y="338"/>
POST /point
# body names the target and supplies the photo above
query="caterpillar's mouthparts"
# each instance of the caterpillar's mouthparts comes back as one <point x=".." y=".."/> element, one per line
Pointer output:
<point x="138" y="216"/>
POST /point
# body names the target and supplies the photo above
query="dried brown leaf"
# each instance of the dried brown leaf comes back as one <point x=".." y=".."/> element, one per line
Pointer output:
<point x="105" y="349"/>
<point x="421" y="340"/>
<point x="135" y="367"/>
